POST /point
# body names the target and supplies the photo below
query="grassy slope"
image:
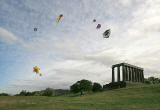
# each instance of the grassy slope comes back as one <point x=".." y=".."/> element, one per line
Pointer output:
<point x="133" y="98"/>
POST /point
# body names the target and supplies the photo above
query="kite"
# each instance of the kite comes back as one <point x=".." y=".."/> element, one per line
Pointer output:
<point x="35" y="29"/>
<point x="36" y="69"/>
<point x="98" y="26"/>
<point x="59" y="17"/>
<point x="107" y="33"/>
<point x="40" y="74"/>
<point x="94" y="20"/>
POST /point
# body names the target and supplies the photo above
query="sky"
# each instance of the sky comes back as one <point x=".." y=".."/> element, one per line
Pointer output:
<point x="74" y="49"/>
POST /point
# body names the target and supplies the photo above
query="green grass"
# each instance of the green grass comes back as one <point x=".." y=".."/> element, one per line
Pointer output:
<point x="144" y="97"/>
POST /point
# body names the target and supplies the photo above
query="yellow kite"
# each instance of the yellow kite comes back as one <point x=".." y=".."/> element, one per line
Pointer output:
<point x="36" y="69"/>
<point x="59" y="17"/>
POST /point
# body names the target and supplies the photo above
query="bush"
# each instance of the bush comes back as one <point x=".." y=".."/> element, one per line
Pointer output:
<point x="115" y="85"/>
<point x="37" y="93"/>
<point x="96" y="87"/>
<point x="4" y="94"/>
<point x="146" y="81"/>
<point x="59" y="92"/>
<point x="48" y="92"/>
<point x="152" y="80"/>
<point x="23" y="93"/>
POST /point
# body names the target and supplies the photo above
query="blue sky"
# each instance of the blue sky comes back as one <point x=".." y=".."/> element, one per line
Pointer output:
<point x="74" y="49"/>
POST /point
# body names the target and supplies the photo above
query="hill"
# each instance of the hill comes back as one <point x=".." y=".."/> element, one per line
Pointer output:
<point x="143" y="97"/>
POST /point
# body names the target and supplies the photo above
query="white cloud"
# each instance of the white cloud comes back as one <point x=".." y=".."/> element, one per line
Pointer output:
<point x="7" y="37"/>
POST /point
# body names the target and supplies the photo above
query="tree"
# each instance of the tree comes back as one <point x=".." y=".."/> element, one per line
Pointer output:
<point x="38" y="93"/>
<point x="23" y="93"/>
<point x="157" y="80"/>
<point x="48" y="92"/>
<point x="4" y="94"/>
<point x="96" y="87"/>
<point x="146" y="81"/>
<point x="75" y="88"/>
<point x="152" y="80"/>
<point x="81" y="86"/>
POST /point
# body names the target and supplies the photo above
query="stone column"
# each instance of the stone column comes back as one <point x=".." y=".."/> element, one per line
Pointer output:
<point x="118" y="73"/>
<point x="132" y="74"/>
<point x="113" y="77"/>
<point x="136" y="78"/>
<point x="142" y="77"/>
<point x="138" y="75"/>
<point x="139" y="72"/>
<point x="129" y="68"/>
<point x="126" y="69"/>
<point x="123" y="73"/>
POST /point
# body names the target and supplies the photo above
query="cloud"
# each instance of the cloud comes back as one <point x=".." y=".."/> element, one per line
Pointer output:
<point x="38" y="44"/>
<point x="125" y="2"/>
<point x="7" y="37"/>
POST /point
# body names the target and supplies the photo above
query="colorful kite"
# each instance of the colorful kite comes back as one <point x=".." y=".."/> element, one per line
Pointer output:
<point x="98" y="26"/>
<point x="59" y="17"/>
<point x="35" y="29"/>
<point x="107" y="33"/>
<point x="36" y="69"/>
<point x="40" y="74"/>
<point x="94" y="20"/>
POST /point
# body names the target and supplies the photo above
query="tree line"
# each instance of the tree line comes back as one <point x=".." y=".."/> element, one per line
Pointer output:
<point x="152" y="80"/>
<point x="81" y="87"/>
<point x="46" y="92"/>
<point x="78" y="87"/>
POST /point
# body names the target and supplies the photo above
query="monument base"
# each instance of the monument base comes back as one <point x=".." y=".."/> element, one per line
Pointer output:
<point x="114" y="85"/>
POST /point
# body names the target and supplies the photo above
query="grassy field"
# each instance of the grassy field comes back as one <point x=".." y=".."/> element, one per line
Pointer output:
<point x="145" y="97"/>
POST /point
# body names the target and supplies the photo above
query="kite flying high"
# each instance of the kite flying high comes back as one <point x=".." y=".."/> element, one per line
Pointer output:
<point x="94" y="20"/>
<point x="59" y="17"/>
<point x="35" y="29"/>
<point x="107" y="33"/>
<point x="36" y="69"/>
<point x="98" y="26"/>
